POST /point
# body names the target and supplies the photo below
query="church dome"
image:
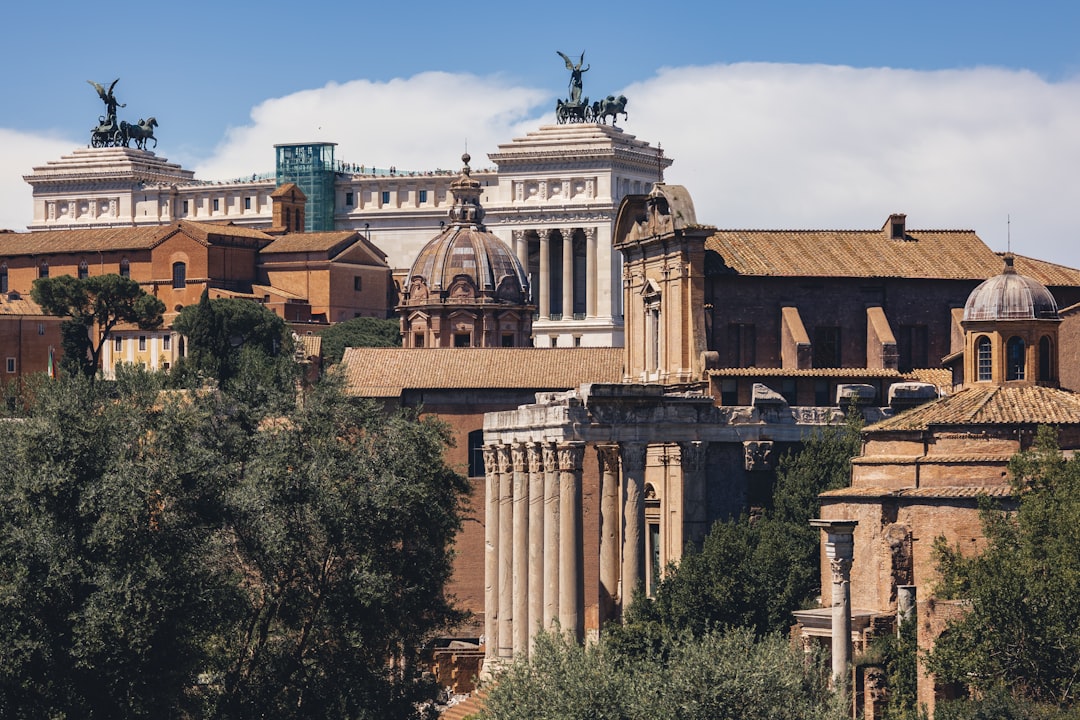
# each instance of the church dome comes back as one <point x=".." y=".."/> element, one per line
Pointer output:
<point x="465" y="260"/>
<point x="1010" y="296"/>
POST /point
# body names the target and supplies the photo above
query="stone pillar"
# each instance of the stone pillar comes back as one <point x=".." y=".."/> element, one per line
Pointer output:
<point x="536" y="540"/>
<point x="491" y="556"/>
<point x="568" y="275"/>
<point x="592" y="278"/>
<point x="571" y="552"/>
<point x="551" y="534"/>
<point x="633" y="540"/>
<point x="545" y="275"/>
<point x="506" y="552"/>
<point x="839" y="546"/>
<point x="521" y="549"/>
<point x="695" y="518"/>
<point x="521" y="249"/>
<point x="905" y="605"/>
<point x="608" y="456"/>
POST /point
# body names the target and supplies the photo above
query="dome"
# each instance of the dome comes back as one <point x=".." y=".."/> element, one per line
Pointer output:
<point x="1010" y="296"/>
<point x="465" y="260"/>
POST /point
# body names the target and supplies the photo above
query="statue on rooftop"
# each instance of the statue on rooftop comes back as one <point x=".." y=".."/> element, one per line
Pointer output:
<point x="575" y="77"/>
<point x="107" y="97"/>
<point x="111" y="133"/>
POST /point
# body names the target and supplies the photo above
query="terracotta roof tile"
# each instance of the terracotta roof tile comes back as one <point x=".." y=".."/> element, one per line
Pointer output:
<point x="384" y="372"/>
<point x="936" y="254"/>
<point x="1025" y="405"/>
<point x="205" y="230"/>
<point x="940" y="377"/>
<point x="1047" y="273"/>
<point x="83" y="240"/>
<point x="808" y="372"/>
<point x="965" y="491"/>
<point x="18" y="306"/>
<point x="309" y="241"/>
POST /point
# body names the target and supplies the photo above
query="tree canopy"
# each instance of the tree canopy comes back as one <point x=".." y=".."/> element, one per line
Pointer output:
<point x="182" y="554"/>
<point x="219" y="332"/>
<point x="99" y="301"/>
<point x="1020" y="633"/>
<point x="358" y="332"/>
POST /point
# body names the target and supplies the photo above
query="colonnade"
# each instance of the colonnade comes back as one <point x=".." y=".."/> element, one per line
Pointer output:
<point x="534" y="544"/>
<point x="545" y="282"/>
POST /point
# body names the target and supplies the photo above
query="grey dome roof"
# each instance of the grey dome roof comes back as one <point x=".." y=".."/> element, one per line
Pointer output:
<point x="466" y="248"/>
<point x="1011" y="296"/>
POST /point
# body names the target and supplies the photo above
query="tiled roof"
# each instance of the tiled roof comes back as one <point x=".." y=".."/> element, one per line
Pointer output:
<point x="950" y="491"/>
<point x="203" y="231"/>
<point x="935" y="254"/>
<point x="1028" y="404"/>
<point x="51" y="242"/>
<point x="1047" y="273"/>
<point x="939" y="377"/>
<point x="311" y="344"/>
<point x="260" y="290"/>
<point x="20" y="306"/>
<point x="309" y="241"/>
<point x="807" y="372"/>
<point x="385" y="372"/>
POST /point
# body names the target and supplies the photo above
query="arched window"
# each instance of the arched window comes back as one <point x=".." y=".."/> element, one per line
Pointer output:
<point x="3" y="278"/>
<point x="1046" y="358"/>
<point x="125" y="268"/>
<point x="179" y="275"/>
<point x="984" y="356"/>
<point x="1014" y="359"/>
<point x="84" y="270"/>
<point x="43" y="269"/>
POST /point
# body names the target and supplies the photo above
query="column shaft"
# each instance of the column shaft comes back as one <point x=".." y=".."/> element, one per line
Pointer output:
<point x="571" y="575"/>
<point x="551" y="535"/>
<point x="608" y="456"/>
<point x="521" y="549"/>
<point x="545" y="275"/>
<point x="491" y="554"/>
<point x="506" y="553"/>
<point x="591" y="276"/>
<point x="536" y="540"/>
<point x="633" y="545"/>
<point x="568" y="276"/>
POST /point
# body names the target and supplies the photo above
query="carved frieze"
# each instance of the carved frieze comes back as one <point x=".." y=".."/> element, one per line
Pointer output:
<point x="570" y="456"/>
<point x="517" y="453"/>
<point x="758" y="455"/>
<point x="535" y="458"/>
<point x="609" y="457"/>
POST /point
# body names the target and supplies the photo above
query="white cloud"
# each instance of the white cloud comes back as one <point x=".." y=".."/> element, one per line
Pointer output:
<point x="22" y="152"/>
<point x="757" y="144"/>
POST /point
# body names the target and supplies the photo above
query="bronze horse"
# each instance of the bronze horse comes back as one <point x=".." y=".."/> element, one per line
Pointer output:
<point x="139" y="133"/>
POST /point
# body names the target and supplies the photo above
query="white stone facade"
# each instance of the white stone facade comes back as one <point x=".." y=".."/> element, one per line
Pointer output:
<point x="559" y="186"/>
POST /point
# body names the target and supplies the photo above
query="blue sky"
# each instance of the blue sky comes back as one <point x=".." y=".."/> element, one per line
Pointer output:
<point x="778" y="114"/>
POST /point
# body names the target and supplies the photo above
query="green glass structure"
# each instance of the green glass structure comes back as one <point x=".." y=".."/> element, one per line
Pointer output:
<point x="311" y="167"/>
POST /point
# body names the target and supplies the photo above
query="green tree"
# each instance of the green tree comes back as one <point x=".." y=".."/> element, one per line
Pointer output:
<point x="219" y="332"/>
<point x="716" y="676"/>
<point x="358" y="332"/>
<point x="1020" y="632"/>
<point x="101" y="302"/>
<point x="186" y="554"/>
<point x="755" y="572"/>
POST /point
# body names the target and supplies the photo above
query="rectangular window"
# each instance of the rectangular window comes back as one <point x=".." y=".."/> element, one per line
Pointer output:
<point x="822" y="397"/>
<point x="217" y="204"/>
<point x="911" y="348"/>
<point x="729" y="391"/>
<point x="247" y="203"/>
<point x="166" y="342"/>
<point x="789" y="388"/>
<point x="349" y="199"/>
<point x="386" y="197"/>
<point x="422" y="196"/>
<point x="142" y="343"/>
<point x="184" y="207"/>
<point x="11" y="365"/>
<point x="508" y="340"/>
<point x="118" y="343"/>
<point x="43" y="270"/>
<point x="84" y="271"/>
<point x="179" y="275"/>
<point x="462" y="340"/>
<point x="41" y="328"/>
<point x="418" y="339"/>
<point x="356" y="283"/>
<point x="826" y="347"/>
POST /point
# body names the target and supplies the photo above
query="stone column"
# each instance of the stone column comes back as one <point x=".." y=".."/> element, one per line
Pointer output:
<point x="633" y="540"/>
<point x="536" y="540"/>
<point x="568" y="276"/>
<point x="521" y="549"/>
<point x="906" y="608"/>
<point x="506" y="552"/>
<point x="695" y="517"/>
<point x="571" y="552"/>
<point x="551" y="534"/>
<point x="521" y="248"/>
<point x="839" y="546"/>
<point x="491" y="555"/>
<point x="608" y="456"/>
<point x="591" y="277"/>
<point x="545" y="274"/>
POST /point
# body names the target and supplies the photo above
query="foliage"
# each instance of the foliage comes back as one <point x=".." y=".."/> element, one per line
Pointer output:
<point x="219" y="332"/>
<point x="717" y="676"/>
<point x="186" y="554"/>
<point x="1021" y="628"/>
<point x="101" y="301"/>
<point x="754" y="573"/>
<point x="1000" y="704"/>
<point x="358" y="332"/>
<point x="898" y="654"/>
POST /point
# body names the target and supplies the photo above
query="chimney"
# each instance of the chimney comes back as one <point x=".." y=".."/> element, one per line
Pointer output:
<point x="897" y="226"/>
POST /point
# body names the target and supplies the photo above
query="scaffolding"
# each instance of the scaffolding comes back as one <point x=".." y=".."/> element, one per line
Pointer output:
<point x="311" y="167"/>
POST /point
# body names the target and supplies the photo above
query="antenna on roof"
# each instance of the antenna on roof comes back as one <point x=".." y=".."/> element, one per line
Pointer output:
<point x="1008" y="232"/>
<point x="659" y="163"/>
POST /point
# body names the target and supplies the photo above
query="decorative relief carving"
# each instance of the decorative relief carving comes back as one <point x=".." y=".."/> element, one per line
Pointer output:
<point x="609" y="457"/>
<point x="503" y="452"/>
<point x="536" y="466"/>
<point x="758" y="455"/>
<point x="590" y="188"/>
<point x="490" y="462"/>
<point x="633" y="456"/>
<point x="841" y="569"/>
<point x="517" y="452"/>
<point x="693" y="456"/>
<point x="548" y="451"/>
<point x="570" y="456"/>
